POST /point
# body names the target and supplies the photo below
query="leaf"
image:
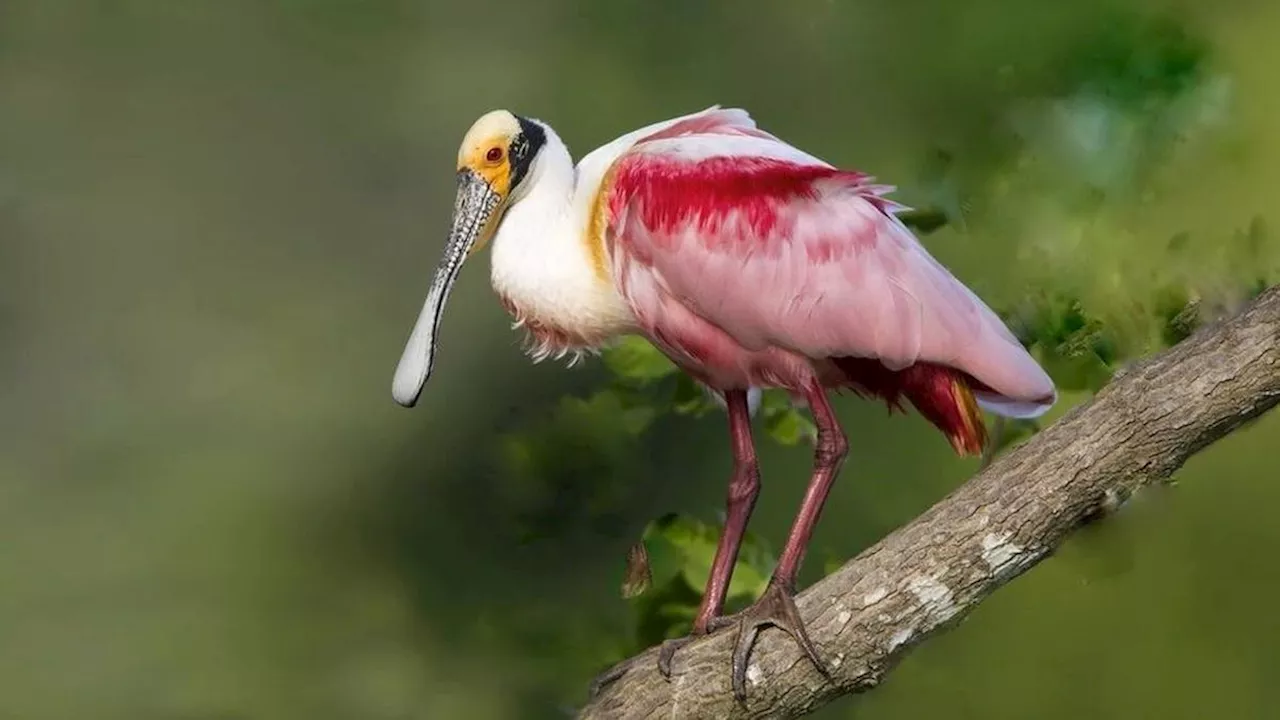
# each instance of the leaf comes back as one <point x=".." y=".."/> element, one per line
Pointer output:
<point x="1074" y="347"/>
<point x="638" y="577"/>
<point x="682" y="613"/>
<point x="1103" y="346"/>
<point x="665" y="559"/>
<point x="690" y="399"/>
<point x="924" y="221"/>
<point x="774" y="401"/>
<point x="1136" y="60"/>
<point x="694" y="544"/>
<point x="572" y="468"/>
<point x="789" y="427"/>
<point x="1179" y="315"/>
<point x="636" y="360"/>
<point x="637" y="419"/>
<point x="1072" y="370"/>
<point x="783" y="421"/>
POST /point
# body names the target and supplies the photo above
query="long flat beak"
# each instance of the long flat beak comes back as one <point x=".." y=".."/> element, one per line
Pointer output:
<point x="472" y="210"/>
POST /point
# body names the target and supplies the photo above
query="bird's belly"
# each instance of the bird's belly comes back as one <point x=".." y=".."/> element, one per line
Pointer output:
<point x="714" y="358"/>
<point x="556" y="329"/>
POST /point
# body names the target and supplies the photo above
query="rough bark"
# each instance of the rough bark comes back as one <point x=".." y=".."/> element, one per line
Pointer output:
<point x="927" y="575"/>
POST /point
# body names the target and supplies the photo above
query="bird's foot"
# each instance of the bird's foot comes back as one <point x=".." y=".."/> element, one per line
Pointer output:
<point x="667" y="652"/>
<point x="608" y="677"/>
<point x="776" y="607"/>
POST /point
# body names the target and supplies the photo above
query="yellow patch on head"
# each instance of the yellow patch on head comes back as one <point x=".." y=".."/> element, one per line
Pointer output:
<point x="485" y="148"/>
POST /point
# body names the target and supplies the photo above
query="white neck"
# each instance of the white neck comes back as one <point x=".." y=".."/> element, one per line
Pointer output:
<point x="542" y="262"/>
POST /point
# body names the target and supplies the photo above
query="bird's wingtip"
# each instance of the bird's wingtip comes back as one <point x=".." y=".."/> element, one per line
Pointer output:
<point x="1014" y="408"/>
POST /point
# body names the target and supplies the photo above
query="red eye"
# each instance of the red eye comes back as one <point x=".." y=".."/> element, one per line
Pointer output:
<point x="494" y="154"/>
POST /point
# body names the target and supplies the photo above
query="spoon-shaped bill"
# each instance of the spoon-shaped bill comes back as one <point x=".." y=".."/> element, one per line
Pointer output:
<point x="472" y="210"/>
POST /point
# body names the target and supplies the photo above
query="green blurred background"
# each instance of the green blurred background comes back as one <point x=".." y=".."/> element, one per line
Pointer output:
<point x="217" y="222"/>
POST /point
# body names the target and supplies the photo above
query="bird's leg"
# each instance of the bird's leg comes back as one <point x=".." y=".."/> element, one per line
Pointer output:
<point x="744" y="486"/>
<point x="777" y="605"/>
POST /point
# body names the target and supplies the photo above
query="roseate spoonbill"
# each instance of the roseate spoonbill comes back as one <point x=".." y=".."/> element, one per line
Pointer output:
<point x="750" y="264"/>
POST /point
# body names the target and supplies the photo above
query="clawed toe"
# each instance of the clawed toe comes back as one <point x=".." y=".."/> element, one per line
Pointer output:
<point x="607" y="677"/>
<point x="667" y="653"/>
<point x="775" y="607"/>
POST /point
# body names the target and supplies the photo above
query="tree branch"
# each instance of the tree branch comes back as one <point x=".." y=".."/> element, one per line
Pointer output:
<point x="927" y="575"/>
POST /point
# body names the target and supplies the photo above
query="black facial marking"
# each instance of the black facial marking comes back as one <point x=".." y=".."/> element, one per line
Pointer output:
<point x="524" y="148"/>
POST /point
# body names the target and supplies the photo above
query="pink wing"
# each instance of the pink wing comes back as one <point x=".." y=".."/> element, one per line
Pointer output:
<point x="778" y="248"/>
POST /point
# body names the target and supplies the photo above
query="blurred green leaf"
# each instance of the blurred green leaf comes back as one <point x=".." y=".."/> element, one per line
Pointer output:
<point x="782" y="421"/>
<point x="789" y="427"/>
<point x="1137" y="60"/>
<point x="924" y="221"/>
<point x="574" y="467"/>
<point x="636" y="419"/>
<point x="1179" y="314"/>
<point x="1075" y="348"/>
<point x="1075" y="368"/>
<point x="693" y="543"/>
<point x="774" y="400"/>
<point x="679" y="614"/>
<point x="678" y="551"/>
<point x="635" y="360"/>
<point x="690" y="399"/>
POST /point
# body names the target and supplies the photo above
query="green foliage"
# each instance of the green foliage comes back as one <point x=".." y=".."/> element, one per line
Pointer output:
<point x="675" y="554"/>
<point x="783" y="421"/>
<point x="565" y="470"/>
<point x="1074" y="347"/>
<point x="1136" y="61"/>
<point x="926" y="220"/>
<point x="1178" y="312"/>
<point x="649" y="380"/>
<point x="637" y="362"/>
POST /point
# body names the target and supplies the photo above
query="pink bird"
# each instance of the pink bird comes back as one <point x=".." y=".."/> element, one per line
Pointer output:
<point x="750" y="264"/>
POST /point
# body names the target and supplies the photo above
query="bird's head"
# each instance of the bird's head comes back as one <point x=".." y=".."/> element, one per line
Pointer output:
<point x="494" y="161"/>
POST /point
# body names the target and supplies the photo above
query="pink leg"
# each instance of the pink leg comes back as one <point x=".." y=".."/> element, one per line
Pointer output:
<point x="744" y="487"/>
<point x="777" y="605"/>
<point x="828" y="456"/>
